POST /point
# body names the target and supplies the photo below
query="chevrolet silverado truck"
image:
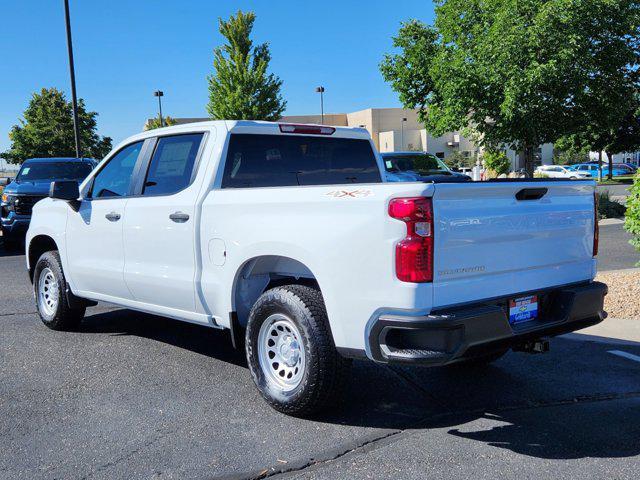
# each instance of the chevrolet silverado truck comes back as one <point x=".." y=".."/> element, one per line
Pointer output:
<point x="290" y="237"/>
<point x="32" y="185"/>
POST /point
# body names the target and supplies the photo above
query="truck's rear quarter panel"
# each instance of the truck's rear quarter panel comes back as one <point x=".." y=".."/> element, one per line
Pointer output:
<point x="342" y="233"/>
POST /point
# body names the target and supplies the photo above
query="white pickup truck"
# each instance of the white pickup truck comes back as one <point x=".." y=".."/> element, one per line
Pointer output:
<point x="289" y="236"/>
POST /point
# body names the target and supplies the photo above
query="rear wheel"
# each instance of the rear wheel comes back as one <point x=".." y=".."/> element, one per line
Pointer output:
<point x="49" y="286"/>
<point x="290" y="351"/>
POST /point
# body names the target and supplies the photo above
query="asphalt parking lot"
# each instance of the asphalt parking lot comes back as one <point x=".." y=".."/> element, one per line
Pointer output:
<point x="136" y="396"/>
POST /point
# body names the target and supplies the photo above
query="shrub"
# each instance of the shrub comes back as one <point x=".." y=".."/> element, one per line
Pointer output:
<point x="459" y="160"/>
<point x="608" y="208"/>
<point x="496" y="162"/>
<point x="632" y="220"/>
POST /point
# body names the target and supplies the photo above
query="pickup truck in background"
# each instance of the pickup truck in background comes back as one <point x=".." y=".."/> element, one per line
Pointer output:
<point x="290" y="237"/>
<point x="32" y="185"/>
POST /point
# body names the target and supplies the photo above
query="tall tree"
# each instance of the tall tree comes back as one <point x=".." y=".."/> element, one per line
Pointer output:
<point x="240" y="88"/>
<point x="519" y="72"/>
<point x="608" y="135"/>
<point x="47" y="130"/>
<point x="155" y="122"/>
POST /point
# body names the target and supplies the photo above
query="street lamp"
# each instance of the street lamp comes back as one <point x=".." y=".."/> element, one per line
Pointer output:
<point x="159" y="94"/>
<point x="320" y="90"/>
<point x="402" y="134"/>
<point x="72" y="73"/>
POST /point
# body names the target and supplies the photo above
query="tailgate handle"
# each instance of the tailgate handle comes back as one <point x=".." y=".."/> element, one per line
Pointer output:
<point x="531" y="194"/>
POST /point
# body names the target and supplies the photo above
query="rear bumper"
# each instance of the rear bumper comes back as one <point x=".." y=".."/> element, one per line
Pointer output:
<point x="455" y="334"/>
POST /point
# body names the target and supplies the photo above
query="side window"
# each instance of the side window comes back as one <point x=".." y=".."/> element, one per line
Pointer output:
<point x="114" y="178"/>
<point x="172" y="164"/>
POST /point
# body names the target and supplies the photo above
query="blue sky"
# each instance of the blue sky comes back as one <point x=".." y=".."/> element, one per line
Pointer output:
<point x="124" y="50"/>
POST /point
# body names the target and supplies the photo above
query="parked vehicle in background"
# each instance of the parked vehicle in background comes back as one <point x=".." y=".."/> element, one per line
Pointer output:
<point x="289" y="236"/>
<point x="30" y="185"/>
<point x="561" y="171"/>
<point x="420" y="167"/>
<point x="634" y="168"/>
<point x="465" y="171"/>
<point x="593" y="170"/>
<point x="629" y="169"/>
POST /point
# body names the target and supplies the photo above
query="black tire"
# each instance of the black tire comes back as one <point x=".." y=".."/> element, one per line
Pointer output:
<point x="482" y="361"/>
<point x="62" y="316"/>
<point x="325" y="371"/>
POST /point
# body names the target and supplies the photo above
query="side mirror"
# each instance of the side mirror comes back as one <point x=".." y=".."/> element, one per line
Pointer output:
<point x="67" y="190"/>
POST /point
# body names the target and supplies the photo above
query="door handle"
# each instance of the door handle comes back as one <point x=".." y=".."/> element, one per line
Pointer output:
<point x="531" y="193"/>
<point x="179" y="217"/>
<point x="112" y="216"/>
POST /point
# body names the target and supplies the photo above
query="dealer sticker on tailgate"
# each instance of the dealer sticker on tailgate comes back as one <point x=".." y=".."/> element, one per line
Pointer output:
<point x="523" y="309"/>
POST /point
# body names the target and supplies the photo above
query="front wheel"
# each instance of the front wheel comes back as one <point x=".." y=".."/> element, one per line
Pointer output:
<point x="290" y="351"/>
<point x="49" y="286"/>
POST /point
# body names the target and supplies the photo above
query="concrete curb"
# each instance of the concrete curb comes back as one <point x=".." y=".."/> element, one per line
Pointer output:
<point x="621" y="331"/>
<point x="610" y="221"/>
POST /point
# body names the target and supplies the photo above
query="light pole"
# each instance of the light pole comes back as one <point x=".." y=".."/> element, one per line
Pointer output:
<point x="402" y="134"/>
<point x="320" y="90"/>
<point x="72" y="73"/>
<point x="159" y="94"/>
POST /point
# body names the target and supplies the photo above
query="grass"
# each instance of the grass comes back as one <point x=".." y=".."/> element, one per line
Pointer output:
<point x="621" y="180"/>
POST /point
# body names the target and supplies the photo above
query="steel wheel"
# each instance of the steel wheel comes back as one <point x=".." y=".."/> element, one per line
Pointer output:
<point x="281" y="352"/>
<point x="48" y="292"/>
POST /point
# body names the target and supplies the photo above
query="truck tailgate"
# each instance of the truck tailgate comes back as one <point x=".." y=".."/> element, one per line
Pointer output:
<point x="489" y="243"/>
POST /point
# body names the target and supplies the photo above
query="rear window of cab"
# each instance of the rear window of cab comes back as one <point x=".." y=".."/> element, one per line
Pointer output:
<point x="255" y="160"/>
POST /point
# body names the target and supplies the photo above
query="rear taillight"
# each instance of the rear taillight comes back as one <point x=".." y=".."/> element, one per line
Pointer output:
<point x="306" y="129"/>
<point x="596" y="228"/>
<point x="414" y="253"/>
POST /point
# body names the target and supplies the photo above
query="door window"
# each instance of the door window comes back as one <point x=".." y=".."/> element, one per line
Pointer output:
<point x="172" y="164"/>
<point x="114" y="179"/>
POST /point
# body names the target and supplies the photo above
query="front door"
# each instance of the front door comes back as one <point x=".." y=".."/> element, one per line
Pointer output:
<point x="94" y="233"/>
<point x="159" y="226"/>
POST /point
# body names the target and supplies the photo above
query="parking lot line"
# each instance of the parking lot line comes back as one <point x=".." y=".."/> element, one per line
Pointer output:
<point x="630" y="356"/>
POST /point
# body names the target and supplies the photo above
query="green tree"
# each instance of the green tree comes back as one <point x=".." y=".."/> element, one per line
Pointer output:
<point x="612" y="136"/>
<point x="240" y="88"/>
<point x="632" y="215"/>
<point x="568" y="152"/>
<point x="47" y="130"/>
<point x="459" y="160"/>
<point x="155" y="122"/>
<point x="519" y="72"/>
<point x="496" y="161"/>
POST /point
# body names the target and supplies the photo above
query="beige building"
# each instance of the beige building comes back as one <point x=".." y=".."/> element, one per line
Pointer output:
<point x="398" y="129"/>
<point x="376" y="120"/>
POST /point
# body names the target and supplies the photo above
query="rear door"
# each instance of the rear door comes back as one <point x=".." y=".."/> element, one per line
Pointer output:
<point x="494" y="239"/>
<point x="160" y="222"/>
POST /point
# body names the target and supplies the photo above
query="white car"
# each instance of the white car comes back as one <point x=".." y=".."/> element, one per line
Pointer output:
<point x="559" y="171"/>
<point x="290" y="237"/>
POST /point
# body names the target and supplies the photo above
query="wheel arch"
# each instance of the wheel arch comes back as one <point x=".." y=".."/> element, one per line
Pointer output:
<point x="37" y="246"/>
<point x="260" y="273"/>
